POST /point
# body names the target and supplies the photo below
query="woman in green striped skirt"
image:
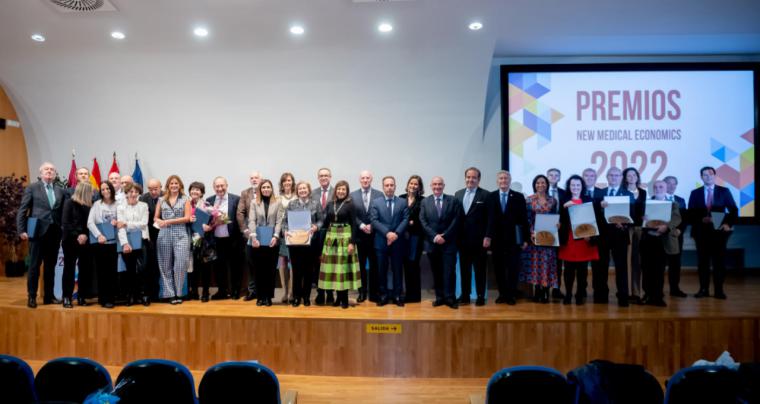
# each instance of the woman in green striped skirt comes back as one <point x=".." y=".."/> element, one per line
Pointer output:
<point x="340" y="265"/>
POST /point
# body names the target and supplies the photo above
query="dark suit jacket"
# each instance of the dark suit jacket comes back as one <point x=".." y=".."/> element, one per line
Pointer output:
<point x="503" y="226"/>
<point x="152" y="231"/>
<point x="383" y="222"/>
<point x="233" y="227"/>
<point x="561" y="195"/>
<point x="684" y="218"/>
<point x="472" y="227"/>
<point x="446" y="224"/>
<point x="606" y="229"/>
<point x="34" y="203"/>
<point x="362" y="215"/>
<point x="723" y="201"/>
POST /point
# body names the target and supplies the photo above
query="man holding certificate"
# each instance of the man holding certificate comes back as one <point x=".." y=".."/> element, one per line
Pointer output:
<point x="39" y="220"/>
<point x="707" y="204"/>
<point x="659" y="239"/>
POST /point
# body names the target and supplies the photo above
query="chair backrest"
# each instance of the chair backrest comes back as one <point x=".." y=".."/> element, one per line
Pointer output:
<point x="156" y="381"/>
<point x="601" y="381"/>
<point x="237" y="382"/>
<point x="16" y="380"/>
<point x="704" y="384"/>
<point x="71" y="379"/>
<point x="524" y="384"/>
<point x="749" y="373"/>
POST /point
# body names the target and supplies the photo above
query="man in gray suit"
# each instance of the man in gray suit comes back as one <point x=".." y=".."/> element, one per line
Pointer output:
<point x="43" y="203"/>
<point x="321" y="196"/>
<point x="656" y="243"/>
<point x="362" y="198"/>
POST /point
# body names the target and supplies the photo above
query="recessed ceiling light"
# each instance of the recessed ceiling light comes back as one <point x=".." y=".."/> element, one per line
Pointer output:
<point x="475" y="25"/>
<point x="385" y="27"/>
<point x="297" y="30"/>
<point x="118" y="35"/>
<point x="38" y="37"/>
<point x="200" y="32"/>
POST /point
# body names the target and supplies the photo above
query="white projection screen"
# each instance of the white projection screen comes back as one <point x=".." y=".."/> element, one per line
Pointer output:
<point x="663" y="119"/>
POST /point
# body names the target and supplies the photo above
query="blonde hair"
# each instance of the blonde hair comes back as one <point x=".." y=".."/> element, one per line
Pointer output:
<point x="181" y="192"/>
<point x="83" y="194"/>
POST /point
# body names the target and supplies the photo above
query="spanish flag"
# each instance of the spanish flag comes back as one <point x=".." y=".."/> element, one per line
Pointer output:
<point x="95" y="175"/>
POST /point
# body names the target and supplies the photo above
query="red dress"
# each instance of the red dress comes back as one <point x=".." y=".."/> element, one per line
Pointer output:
<point x="578" y="250"/>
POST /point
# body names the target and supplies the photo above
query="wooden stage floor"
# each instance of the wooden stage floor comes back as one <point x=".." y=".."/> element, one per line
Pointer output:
<point x="465" y="345"/>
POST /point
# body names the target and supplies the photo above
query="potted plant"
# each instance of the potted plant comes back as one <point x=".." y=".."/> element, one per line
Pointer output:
<point x="11" y="191"/>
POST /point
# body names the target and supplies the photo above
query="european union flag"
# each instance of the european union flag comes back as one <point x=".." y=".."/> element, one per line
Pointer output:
<point x="137" y="174"/>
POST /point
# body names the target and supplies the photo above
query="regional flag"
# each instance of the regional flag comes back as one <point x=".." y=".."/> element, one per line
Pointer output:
<point x="73" y="174"/>
<point x="95" y="175"/>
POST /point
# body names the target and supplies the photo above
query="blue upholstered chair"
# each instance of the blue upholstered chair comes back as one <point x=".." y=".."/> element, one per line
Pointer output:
<point x="16" y="380"/>
<point x="70" y="380"/>
<point x="601" y="381"/>
<point x="528" y="384"/>
<point x="237" y="382"/>
<point x="155" y="381"/>
<point x="704" y="384"/>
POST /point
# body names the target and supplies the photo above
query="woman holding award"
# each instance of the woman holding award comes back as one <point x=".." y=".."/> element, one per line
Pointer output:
<point x="264" y="222"/>
<point x="287" y="195"/>
<point x="540" y="257"/>
<point x="340" y="264"/>
<point x="301" y="250"/>
<point x="101" y="222"/>
<point x="576" y="253"/>
<point x="133" y="219"/>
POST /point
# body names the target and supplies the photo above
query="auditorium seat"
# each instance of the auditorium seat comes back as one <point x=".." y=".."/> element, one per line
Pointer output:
<point x="16" y="381"/>
<point x="155" y="381"/>
<point x="601" y="381"/>
<point x="237" y="382"/>
<point x="749" y="373"/>
<point x="526" y="384"/>
<point x="704" y="384"/>
<point x="70" y="380"/>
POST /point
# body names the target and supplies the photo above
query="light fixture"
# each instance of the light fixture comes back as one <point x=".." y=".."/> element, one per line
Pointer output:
<point x="118" y="35"/>
<point x="475" y="25"/>
<point x="385" y="27"/>
<point x="38" y="38"/>
<point x="200" y="32"/>
<point x="297" y="30"/>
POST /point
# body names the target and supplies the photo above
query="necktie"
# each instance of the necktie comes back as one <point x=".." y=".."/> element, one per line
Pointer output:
<point x="324" y="199"/>
<point x="590" y="193"/>
<point x="50" y="195"/>
<point x="467" y="200"/>
<point x="709" y="201"/>
<point x="366" y="200"/>
<point x="389" y="205"/>
<point x="438" y="205"/>
<point x="503" y="202"/>
<point x="612" y="192"/>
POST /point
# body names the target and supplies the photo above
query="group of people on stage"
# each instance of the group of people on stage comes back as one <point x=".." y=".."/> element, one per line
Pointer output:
<point x="356" y="238"/>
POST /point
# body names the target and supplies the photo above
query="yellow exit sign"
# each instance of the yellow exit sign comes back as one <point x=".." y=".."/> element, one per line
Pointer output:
<point x="383" y="328"/>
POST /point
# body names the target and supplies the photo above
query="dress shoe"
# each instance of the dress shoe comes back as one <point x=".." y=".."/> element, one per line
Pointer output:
<point x="633" y="299"/>
<point x="344" y="303"/>
<point x="249" y="297"/>
<point x="511" y="301"/>
<point x="580" y="300"/>
<point x="452" y="304"/>
<point x="438" y="302"/>
<point x="67" y="303"/>
<point x="146" y="300"/>
<point x="51" y="301"/>
<point x="622" y="302"/>
<point x="601" y="300"/>
<point x="382" y="302"/>
<point x="657" y="303"/>
<point x="32" y="303"/>
<point x="398" y="302"/>
<point x="701" y="294"/>
<point x="481" y="301"/>
<point x="193" y="295"/>
<point x="567" y="300"/>
<point x="260" y="302"/>
<point x="130" y="301"/>
<point x="720" y="295"/>
<point x="268" y="302"/>
<point x="108" y="305"/>
<point x="678" y="293"/>
<point x="336" y="303"/>
<point x="236" y="296"/>
<point x="362" y="297"/>
<point x="463" y="300"/>
<point x="557" y="294"/>
<point x="296" y="302"/>
<point x="306" y="302"/>
<point x="330" y="298"/>
<point x="501" y="299"/>
<point x="320" y="300"/>
<point x="220" y="296"/>
<point x="81" y="301"/>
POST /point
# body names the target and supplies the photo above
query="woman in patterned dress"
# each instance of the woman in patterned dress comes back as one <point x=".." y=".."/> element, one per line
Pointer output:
<point x="540" y="262"/>
<point x="172" y="217"/>
<point x="340" y="264"/>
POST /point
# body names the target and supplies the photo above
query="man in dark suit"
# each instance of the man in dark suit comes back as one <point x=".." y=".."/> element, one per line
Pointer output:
<point x="439" y="216"/>
<point x="227" y="265"/>
<point x="151" y="198"/>
<point x="389" y="216"/>
<point x="506" y="234"/>
<point x="711" y="238"/>
<point x="42" y="201"/>
<point x="321" y="195"/>
<point x="362" y="198"/>
<point x="674" y="260"/>
<point x="471" y="234"/>
<point x="614" y="239"/>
